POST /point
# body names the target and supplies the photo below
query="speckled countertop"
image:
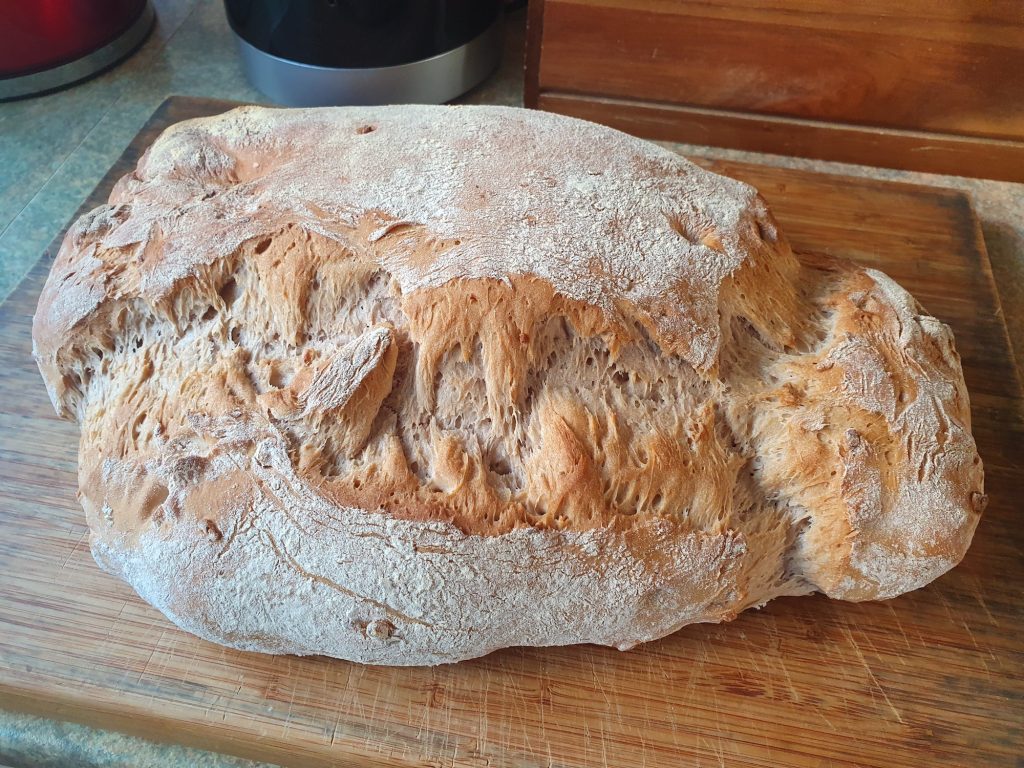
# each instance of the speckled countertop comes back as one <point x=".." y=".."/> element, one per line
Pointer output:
<point x="54" y="149"/>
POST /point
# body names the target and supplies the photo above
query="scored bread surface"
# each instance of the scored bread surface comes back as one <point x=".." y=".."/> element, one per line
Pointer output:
<point x="405" y="385"/>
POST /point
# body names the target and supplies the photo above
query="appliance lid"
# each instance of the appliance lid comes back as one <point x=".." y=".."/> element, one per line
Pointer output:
<point x="352" y="34"/>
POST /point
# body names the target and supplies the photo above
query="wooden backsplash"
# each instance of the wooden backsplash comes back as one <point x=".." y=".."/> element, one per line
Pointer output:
<point x="931" y="85"/>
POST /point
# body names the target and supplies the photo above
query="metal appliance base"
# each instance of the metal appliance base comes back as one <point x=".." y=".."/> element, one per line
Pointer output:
<point x="91" y="64"/>
<point x="429" y="81"/>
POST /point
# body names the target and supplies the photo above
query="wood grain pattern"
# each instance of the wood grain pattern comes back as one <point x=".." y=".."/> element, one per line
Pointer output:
<point x="936" y="85"/>
<point x="531" y="56"/>
<point x="931" y="678"/>
<point x="909" y="150"/>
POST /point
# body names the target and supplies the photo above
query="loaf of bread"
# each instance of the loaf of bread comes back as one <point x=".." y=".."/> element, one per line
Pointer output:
<point x="406" y="385"/>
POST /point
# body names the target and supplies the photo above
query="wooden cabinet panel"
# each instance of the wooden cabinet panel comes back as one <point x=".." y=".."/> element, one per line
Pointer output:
<point x="931" y="153"/>
<point x="946" y="72"/>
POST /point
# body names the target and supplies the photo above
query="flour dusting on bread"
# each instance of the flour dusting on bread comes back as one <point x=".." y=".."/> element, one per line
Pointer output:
<point x="405" y="385"/>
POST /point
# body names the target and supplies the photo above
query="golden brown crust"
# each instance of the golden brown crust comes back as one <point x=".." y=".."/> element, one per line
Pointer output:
<point x="595" y="360"/>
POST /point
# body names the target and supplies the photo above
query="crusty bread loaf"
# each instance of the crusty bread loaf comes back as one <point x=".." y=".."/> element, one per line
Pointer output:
<point x="406" y="385"/>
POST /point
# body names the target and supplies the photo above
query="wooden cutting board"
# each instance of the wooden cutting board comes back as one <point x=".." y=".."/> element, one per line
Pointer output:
<point x="935" y="677"/>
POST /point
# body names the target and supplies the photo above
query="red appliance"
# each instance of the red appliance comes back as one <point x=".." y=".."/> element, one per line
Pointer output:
<point x="48" y="44"/>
